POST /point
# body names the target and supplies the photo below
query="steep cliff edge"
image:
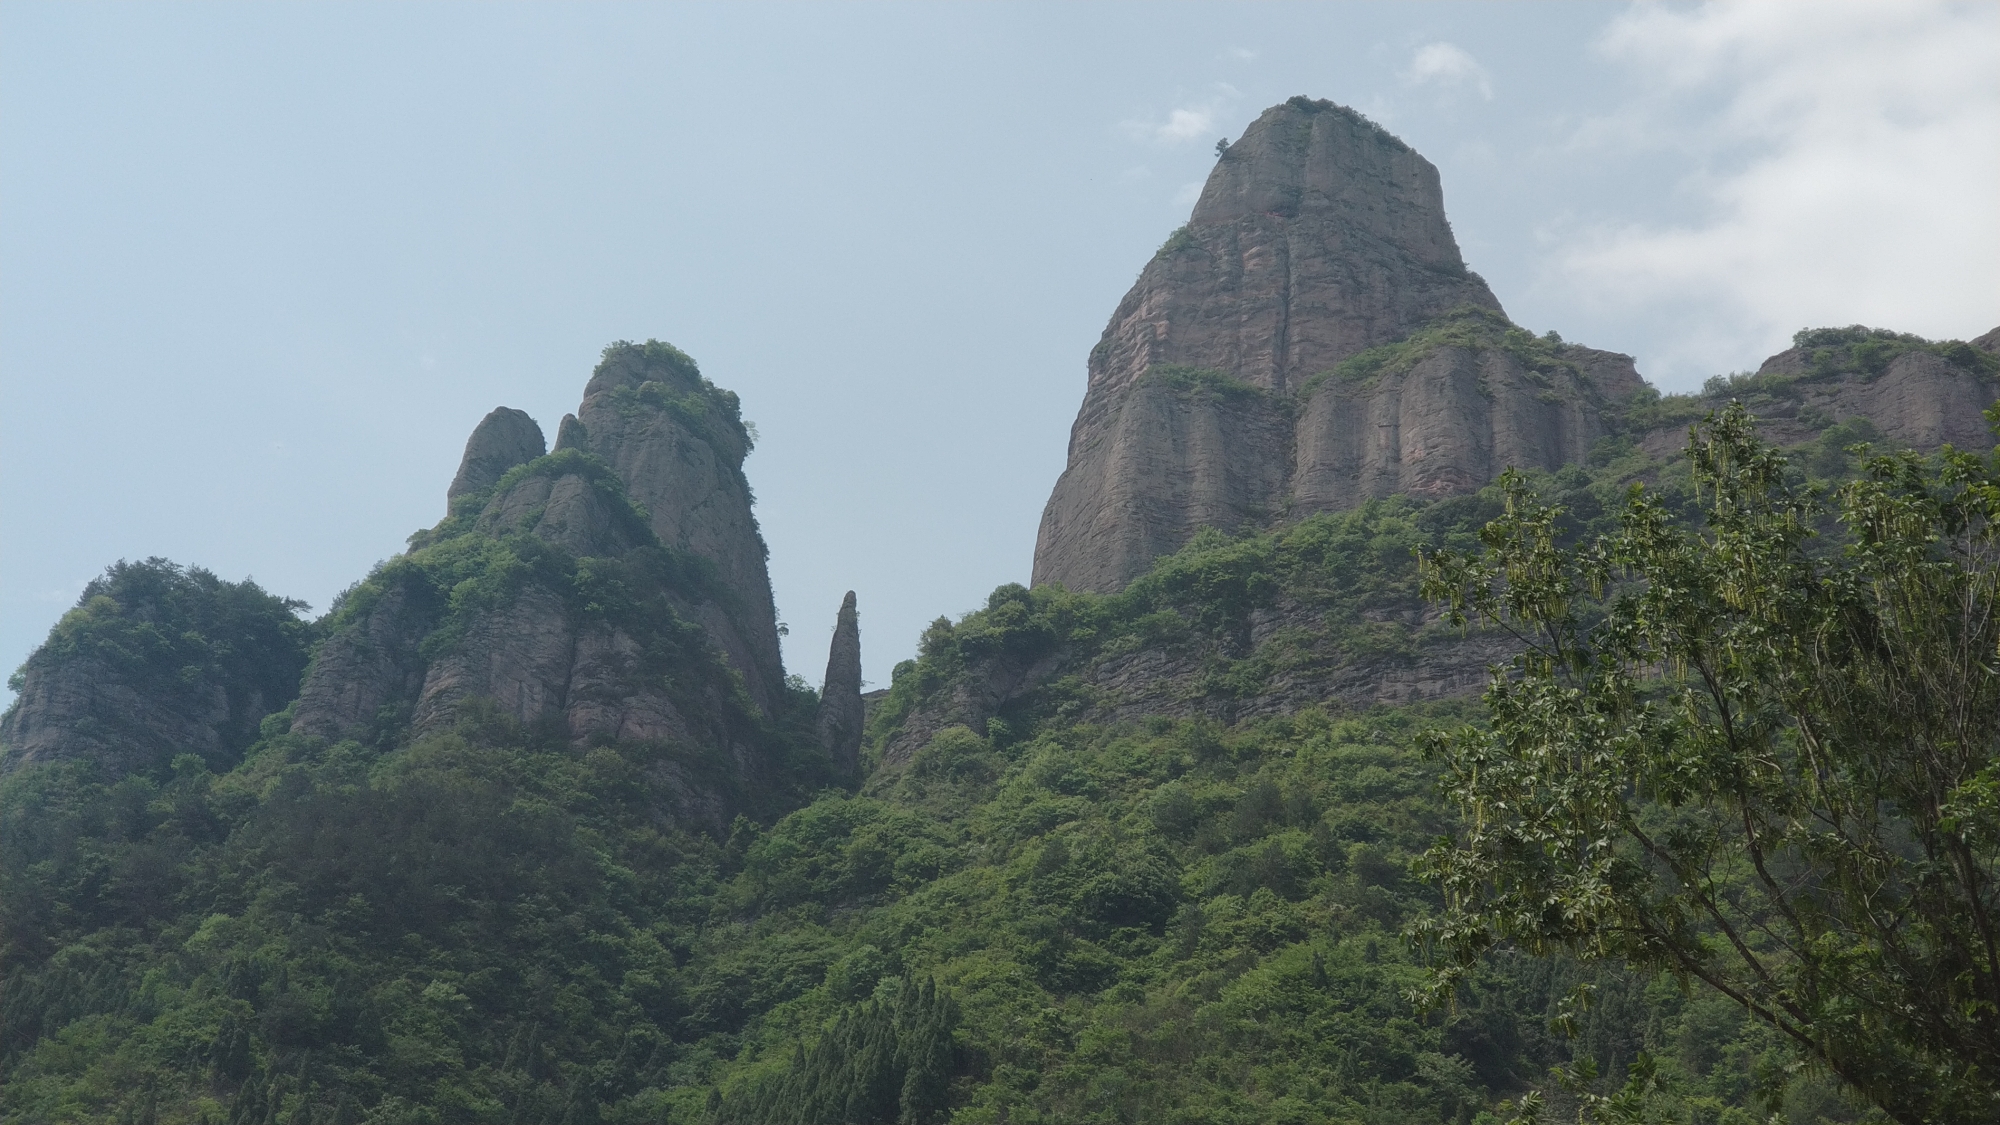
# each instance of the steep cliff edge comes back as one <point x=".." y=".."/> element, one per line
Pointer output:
<point x="1899" y="389"/>
<point x="503" y="439"/>
<point x="1224" y="392"/>
<point x="677" y="443"/>
<point x="1319" y="607"/>
<point x="1311" y="340"/>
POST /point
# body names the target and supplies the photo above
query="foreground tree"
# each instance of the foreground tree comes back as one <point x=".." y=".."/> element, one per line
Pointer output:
<point x="1753" y="756"/>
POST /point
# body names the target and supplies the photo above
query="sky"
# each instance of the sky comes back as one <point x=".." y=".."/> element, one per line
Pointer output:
<point x="263" y="267"/>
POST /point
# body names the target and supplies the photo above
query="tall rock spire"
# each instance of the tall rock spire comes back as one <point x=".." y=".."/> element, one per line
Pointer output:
<point x="1318" y="237"/>
<point x="678" y="442"/>
<point x="840" y="707"/>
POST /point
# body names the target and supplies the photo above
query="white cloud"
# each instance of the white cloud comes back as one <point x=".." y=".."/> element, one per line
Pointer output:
<point x="1845" y="159"/>
<point x="1186" y="125"/>
<point x="1448" y="66"/>
<point x="1195" y="121"/>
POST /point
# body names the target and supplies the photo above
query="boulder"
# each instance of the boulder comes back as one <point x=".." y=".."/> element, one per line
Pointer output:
<point x="502" y="440"/>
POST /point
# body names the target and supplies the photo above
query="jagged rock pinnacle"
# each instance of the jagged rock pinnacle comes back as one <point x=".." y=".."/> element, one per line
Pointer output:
<point x="840" y="706"/>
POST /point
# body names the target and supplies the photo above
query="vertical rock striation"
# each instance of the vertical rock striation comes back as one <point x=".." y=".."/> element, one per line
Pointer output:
<point x="677" y="443"/>
<point x="841" y="712"/>
<point x="1222" y="394"/>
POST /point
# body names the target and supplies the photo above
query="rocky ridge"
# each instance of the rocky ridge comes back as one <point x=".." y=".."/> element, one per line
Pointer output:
<point x="613" y="589"/>
<point x="156" y="661"/>
<point x="1311" y="340"/>
<point x="503" y="439"/>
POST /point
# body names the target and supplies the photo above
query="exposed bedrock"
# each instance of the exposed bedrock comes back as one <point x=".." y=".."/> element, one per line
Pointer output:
<point x="155" y="661"/>
<point x="841" y="711"/>
<point x="1216" y="395"/>
<point x="678" y="444"/>
<point x="503" y="439"/>
<point x="645" y="614"/>
<point x="1919" y="399"/>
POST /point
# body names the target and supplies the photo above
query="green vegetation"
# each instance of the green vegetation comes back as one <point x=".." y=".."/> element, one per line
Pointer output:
<point x="1056" y="908"/>
<point x="1178" y="241"/>
<point x="1760" y="767"/>
<point x="1204" y="382"/>
<point x="1828" y="354"/>
<point x="1054" y="915"/>
<point x="1869" y="351"/>
<point x="674" y="383"/>
<point x="1469" y="327"/>
<point x="180" y="634"/>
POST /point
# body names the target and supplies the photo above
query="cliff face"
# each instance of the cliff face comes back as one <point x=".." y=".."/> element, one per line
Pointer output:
<point x="613" y="590"/>
<point x="677" y="444"/>
<point x="1890" y="388"/>
<point x="1225" y="390"/>
<point x="1325" y="612"/>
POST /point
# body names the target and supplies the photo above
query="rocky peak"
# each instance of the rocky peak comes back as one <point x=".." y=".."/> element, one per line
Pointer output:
<point x="503" y="439"/>
<point x="613" y="588"/>
<point x="1317" y="161"/>
<point x="1309" y="340"/>
<point x="1317" y="235"/>
<point x="677" y="442"/>
<point x="841" y="711"/>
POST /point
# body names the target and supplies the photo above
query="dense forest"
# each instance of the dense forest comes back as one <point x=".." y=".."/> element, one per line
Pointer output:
<point x="1207" y="914"/>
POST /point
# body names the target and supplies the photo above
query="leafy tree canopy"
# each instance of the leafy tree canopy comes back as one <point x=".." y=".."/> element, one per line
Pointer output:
<point x="1752" y="756"/>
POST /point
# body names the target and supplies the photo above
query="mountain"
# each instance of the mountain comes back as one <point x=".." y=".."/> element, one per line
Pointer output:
<point x="1242" y="382"/>
<point x="613" y="589"/>
<point x="1311" y="340"/>
<point x="155" y="661"/>
<point x="532" y="826"/>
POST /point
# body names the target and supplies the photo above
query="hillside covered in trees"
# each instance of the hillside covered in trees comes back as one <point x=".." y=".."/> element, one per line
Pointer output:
<point x="1411" y="719"/>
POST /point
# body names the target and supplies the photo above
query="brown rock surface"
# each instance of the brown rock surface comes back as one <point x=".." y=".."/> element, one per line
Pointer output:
<point x="1212" y="399"/>
<point x="1455" y="420"/>
<point x="1919" y="400"/>
<point x="88" y="710"/>
<point x="503" y="439"/>
<point x="841" y="712"/>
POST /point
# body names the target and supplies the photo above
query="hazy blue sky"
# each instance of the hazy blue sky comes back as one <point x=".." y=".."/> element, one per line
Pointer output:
<point x="262" y="267"/>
